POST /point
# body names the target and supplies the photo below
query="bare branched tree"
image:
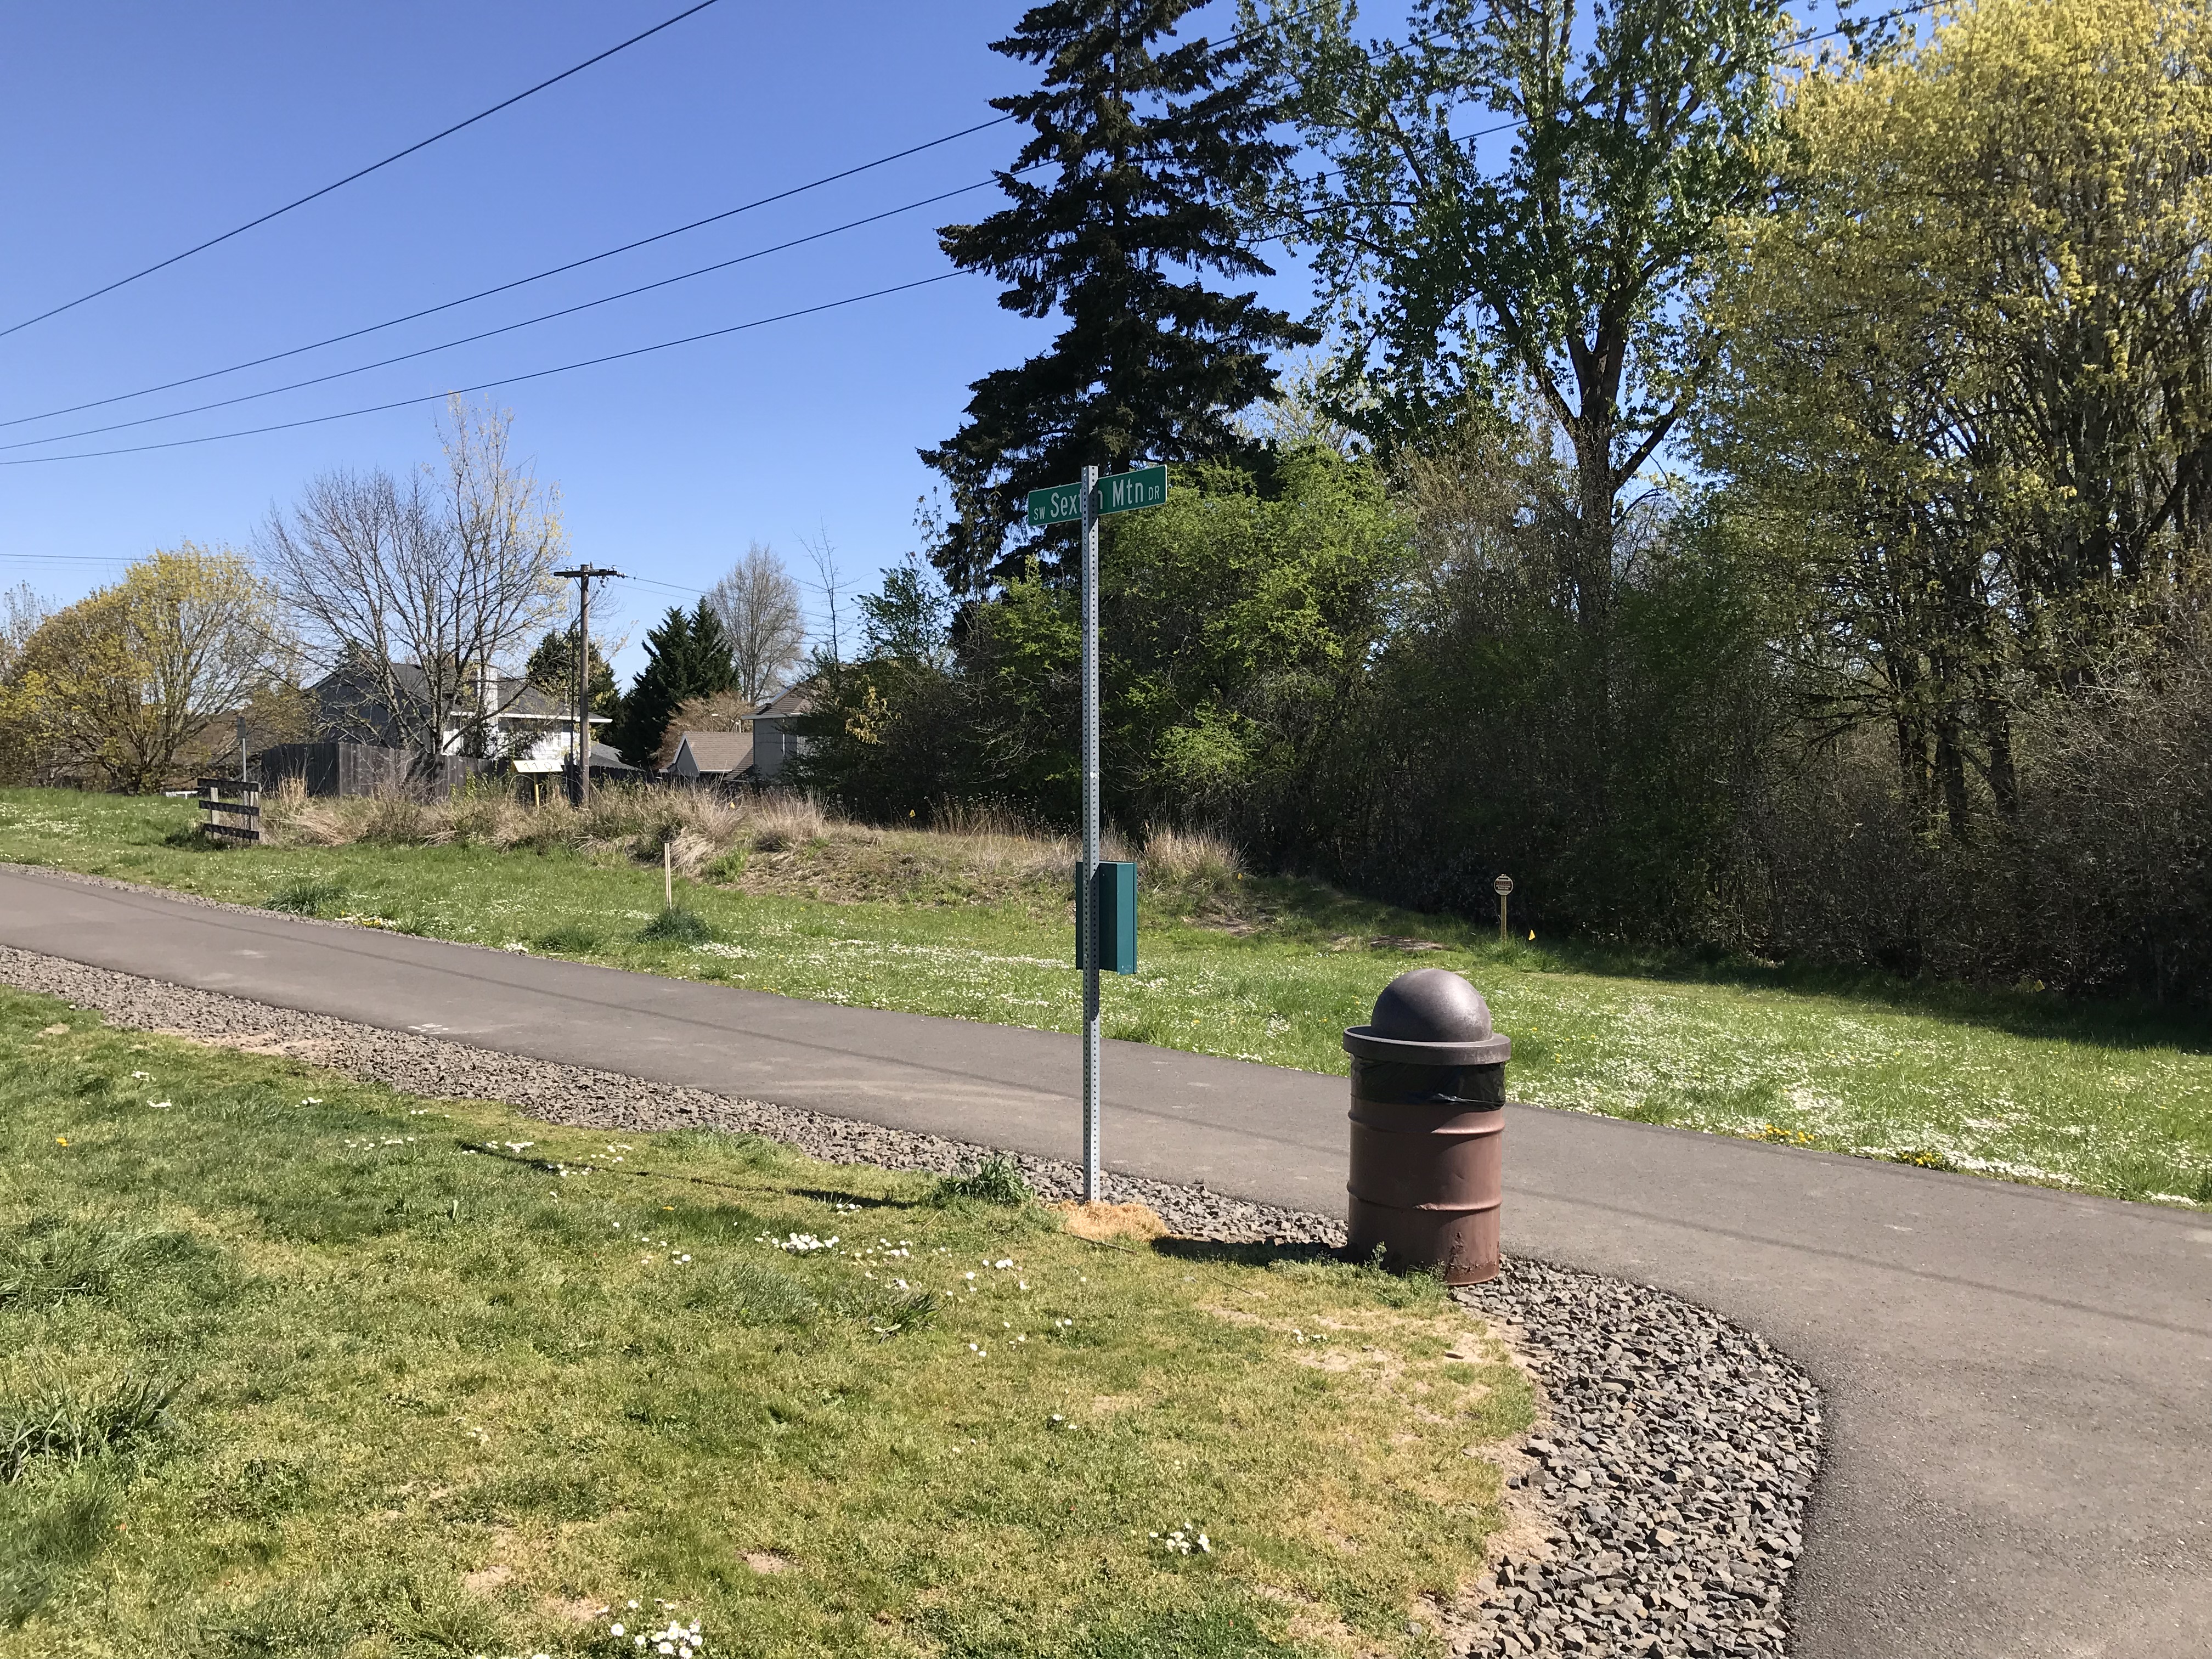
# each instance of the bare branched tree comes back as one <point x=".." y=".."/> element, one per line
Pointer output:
<point x="829" y="582"/>
<point x="420" y="589"/>
<point x="765" y="619"/>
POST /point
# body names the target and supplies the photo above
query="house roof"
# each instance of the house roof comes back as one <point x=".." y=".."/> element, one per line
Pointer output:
<point x="512" y="696"/>
<point x="718" y="752"/>
<point x="793" y="701"/>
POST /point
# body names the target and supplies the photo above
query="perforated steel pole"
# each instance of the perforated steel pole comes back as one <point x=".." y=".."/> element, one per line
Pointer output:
<point x="1086" y="900"/>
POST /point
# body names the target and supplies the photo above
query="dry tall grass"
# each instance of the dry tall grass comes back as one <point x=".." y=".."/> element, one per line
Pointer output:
<point x="771" y="841"/>
<point x="1177" y="857"/>
<point x="694" y="826"/>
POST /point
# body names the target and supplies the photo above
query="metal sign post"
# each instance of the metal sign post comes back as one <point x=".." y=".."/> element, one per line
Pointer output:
<point x="1503" y="888"/>
<point x="1086" y="897"/>
<point x="1087" y="501"/>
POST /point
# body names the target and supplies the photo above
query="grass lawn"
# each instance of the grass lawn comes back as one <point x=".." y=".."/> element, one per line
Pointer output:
<point x="287" y="1369"/>
<point x="2015" y="1083"/>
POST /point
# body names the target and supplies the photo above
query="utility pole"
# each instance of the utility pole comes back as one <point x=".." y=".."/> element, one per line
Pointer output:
<point x="582" y="575"/>
<point x="1086" y="900"/>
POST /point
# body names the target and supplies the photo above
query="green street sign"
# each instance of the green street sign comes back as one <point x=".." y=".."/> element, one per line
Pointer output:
<point x="1061" y="504"/>
<point x="1124" y="492"/>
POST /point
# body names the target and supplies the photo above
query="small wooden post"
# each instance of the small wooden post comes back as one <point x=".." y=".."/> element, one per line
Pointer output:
<point x="668" y="872"/>
<point x="1503" y="888"/>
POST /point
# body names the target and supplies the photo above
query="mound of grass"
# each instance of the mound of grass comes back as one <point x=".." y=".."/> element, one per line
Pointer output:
<point x="307" y="897"/>
<point x="49" y="1259"/>
<point x="473" y="1384"/>
<point x="677" y="926"/>
<point x="571" y="938"/>
<point x="996" y="1180"/>
<point x="68" y="1422"/>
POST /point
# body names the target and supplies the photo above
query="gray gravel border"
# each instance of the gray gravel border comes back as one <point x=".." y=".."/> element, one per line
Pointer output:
<point x="1661" y="1503"/>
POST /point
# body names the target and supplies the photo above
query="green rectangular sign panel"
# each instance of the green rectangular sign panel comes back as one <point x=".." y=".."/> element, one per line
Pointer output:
<point x="1061" y="504"/>
<point x="1124" y="492"/>
<point x="1115" y="889"/>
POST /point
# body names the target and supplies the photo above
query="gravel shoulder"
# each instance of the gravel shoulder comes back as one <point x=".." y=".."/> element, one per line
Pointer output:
<point x="1661" y="1503"/>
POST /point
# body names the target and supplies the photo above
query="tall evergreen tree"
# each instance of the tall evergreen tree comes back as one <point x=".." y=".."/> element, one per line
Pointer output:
<point x="686" y="656"/>
<point x="1147" y="147"/>
<point x="552" y="670"/>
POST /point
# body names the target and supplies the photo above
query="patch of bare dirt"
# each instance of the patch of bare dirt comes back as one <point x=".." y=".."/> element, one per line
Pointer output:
<point x="1104" y="1222"/>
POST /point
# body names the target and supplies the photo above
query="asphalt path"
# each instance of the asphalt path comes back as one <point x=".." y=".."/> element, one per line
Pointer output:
<point x="2019" y="1381"/>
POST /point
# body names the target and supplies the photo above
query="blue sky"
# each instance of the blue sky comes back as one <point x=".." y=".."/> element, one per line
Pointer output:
<point x="136" y="130"/>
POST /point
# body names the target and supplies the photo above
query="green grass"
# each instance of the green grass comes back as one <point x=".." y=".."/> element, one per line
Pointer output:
<point x="293" y="1366"/>
<point x="2110" y="1099"/>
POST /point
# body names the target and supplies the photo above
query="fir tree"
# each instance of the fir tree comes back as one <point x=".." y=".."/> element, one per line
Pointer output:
<point x="1146" y="148"/>
<point x="686" y="656"/>
<point x="552" y="670"/>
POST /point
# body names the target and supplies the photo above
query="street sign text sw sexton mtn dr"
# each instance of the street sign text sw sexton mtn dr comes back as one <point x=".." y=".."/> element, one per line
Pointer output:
<point x="1124" y="492"/>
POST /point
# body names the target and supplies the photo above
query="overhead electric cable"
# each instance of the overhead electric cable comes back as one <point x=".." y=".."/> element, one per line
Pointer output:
<point x="519" y="282"/>
<point x="485" y="386"/>
<point x="503" y="288"/>
<point x="489" y="333"/>
<point x="362" y="173"/>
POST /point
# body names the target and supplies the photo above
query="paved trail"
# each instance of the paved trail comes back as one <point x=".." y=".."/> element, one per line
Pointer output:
<point x="2019" y="1381"/>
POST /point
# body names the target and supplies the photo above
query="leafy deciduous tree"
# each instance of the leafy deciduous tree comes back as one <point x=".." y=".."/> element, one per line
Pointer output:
<point x="116" y="687"/>
<point x="1559" y="273"/>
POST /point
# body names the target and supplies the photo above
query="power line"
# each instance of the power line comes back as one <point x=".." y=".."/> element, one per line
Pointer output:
<point x="505" y="328"/>
<point x="362" y="172"/>
<point x="519" y="282"/>
<point x="1233" y="43"/>
<point x="484" y="385"/>
<point x="63" y="558"/>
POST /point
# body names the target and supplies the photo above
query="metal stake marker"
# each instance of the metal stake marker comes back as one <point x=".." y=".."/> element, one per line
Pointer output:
<point x="1086" y="899"/>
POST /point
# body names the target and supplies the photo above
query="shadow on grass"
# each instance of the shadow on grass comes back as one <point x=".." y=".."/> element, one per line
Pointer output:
<point x="854" y="1201"/>
<point x="1245" y="1253"/>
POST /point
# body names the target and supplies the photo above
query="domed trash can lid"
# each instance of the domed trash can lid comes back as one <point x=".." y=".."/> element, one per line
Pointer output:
<point x="1428" y="1016"/>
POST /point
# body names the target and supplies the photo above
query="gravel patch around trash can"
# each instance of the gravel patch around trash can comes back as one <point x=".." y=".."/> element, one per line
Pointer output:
<point x="1660" y="1504"/>
<point x="1672" y="1475"/>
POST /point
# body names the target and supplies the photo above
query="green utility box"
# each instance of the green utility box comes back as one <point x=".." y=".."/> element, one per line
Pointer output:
<point x="1116" y="889"/>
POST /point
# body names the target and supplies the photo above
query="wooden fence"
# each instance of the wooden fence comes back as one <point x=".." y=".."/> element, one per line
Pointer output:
<point x="230" y="809"/>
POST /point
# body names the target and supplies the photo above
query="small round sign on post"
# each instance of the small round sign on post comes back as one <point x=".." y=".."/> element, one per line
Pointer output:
<point x="1504" y="887"/>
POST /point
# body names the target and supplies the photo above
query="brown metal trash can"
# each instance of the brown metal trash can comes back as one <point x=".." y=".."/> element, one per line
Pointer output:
<point x="1428" y="1097"/>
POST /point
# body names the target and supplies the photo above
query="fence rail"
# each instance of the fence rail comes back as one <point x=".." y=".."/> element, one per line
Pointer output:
<point x="230" y="809"/>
